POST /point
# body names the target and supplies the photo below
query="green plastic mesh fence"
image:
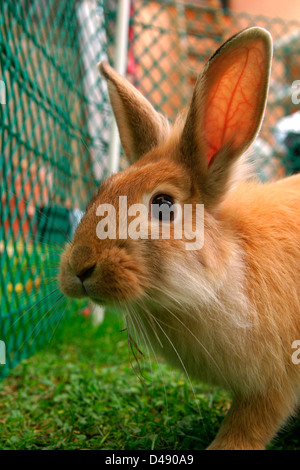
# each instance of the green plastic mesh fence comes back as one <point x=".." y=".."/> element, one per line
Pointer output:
<point x="54" y="136"/>
<point x="55" y="127"/>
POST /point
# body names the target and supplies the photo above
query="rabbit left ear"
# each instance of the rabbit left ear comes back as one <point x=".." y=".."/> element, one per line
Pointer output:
<point x="227" y="108"/>
<point x="141" y="128"/>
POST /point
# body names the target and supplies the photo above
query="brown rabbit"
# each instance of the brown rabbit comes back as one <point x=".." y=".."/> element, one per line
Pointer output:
<point x="228" y="312"/>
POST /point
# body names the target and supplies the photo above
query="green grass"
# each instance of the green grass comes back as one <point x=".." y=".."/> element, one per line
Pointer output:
<point x="80" y="392"/>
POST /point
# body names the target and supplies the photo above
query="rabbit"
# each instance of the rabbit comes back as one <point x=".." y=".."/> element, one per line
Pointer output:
<point x="228" y="312"/>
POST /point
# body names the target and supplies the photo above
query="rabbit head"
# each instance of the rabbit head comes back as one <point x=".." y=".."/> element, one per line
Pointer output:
<point x="191" y="163"/>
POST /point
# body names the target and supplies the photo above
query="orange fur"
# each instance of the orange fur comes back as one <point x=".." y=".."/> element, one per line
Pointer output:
<point x="228" y="313"/>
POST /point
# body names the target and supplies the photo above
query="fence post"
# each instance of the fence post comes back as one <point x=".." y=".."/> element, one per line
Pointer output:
<point x="93" y="40"/>
<point x="121" y="46"/>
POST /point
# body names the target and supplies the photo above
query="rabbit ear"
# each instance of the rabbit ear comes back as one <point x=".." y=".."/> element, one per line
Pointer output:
<point x="141" y="128"/>
<point x="227" y="108"/>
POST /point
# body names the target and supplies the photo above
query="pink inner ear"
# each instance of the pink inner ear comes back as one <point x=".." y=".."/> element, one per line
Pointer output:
<point x="235" y="97"/>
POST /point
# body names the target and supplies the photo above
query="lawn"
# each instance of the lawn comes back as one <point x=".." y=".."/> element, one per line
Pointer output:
<point x="81" y="392"/>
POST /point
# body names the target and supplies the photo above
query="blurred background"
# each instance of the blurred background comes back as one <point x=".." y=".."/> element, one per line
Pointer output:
<point x="57" y="138"/>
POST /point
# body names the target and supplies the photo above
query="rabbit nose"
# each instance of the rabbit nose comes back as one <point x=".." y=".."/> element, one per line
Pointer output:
<point x="83" y="261"/>
<point x="83" y="275"/>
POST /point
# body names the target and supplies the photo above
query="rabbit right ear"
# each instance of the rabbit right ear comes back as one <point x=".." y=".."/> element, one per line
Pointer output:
<point x="227" y="109"/>
<point x="141" y="128"/>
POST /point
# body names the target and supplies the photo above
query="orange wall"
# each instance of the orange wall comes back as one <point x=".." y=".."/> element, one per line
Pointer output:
<point x="285" y="9"/>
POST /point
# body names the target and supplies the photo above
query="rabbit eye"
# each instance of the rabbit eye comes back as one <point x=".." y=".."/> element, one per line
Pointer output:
<point x="162" y="208"/>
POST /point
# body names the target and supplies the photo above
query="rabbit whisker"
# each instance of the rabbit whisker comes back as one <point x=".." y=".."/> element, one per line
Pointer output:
<point x="34" y="305"/>
<point x="57" y="302"/>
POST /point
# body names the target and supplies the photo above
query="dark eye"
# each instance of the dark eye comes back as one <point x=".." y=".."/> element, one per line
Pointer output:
<point x="162" y="207"/>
